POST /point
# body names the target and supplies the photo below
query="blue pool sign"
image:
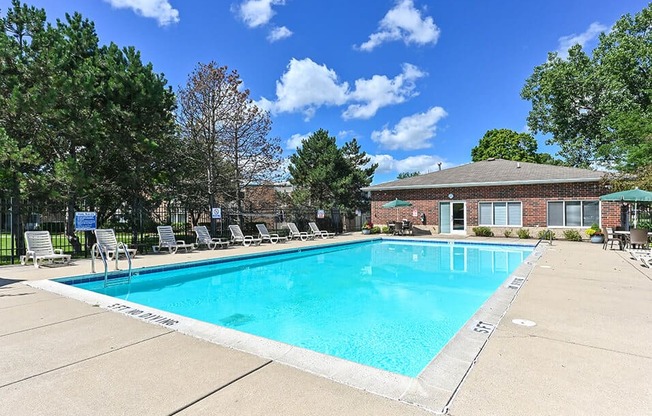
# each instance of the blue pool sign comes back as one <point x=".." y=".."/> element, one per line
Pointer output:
<point x="85" y="221"/>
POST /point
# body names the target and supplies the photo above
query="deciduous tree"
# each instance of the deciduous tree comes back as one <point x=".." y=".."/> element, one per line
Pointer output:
<point x="205" y="103"/>
<point x="598" y="108"/>
<point x="510" y="145"/>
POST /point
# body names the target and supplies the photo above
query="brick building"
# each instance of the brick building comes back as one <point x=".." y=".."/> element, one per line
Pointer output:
<point x="500" y="194"/>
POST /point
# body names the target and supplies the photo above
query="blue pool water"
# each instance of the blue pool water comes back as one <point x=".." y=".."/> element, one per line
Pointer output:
<point x="388" y="304"/>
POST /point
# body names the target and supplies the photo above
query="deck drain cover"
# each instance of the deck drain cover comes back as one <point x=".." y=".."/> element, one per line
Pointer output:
<point x="523" y="322"/>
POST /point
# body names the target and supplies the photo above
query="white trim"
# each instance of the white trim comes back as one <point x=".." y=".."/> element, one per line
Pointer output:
<point x="452" y="231"/>
<point x="480" y="184"/>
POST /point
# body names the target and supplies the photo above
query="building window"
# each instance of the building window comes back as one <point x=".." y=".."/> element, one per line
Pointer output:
<point x="500" y="213"/>
<point x="573" y="213"/>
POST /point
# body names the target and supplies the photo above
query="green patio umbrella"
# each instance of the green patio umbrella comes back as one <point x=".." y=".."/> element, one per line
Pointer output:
<point x="633" y="195"/>
<point x="397" y="203"/>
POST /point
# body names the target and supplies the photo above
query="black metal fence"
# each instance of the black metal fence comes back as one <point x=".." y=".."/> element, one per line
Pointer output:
<point x="138" y="227"/>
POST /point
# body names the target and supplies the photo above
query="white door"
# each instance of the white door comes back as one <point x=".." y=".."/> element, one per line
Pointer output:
<point x="452" y="218"/>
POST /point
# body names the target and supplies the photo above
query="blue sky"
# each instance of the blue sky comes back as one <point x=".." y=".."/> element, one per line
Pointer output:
<point x="416" y="82"/>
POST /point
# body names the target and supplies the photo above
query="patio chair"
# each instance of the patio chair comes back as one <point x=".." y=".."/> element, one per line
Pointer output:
<point x="406" y="227"/>
<point x="204" y="238"/>
<point x="39" y="249"/>
<point x="264" y="235"/>
<point x="295" y="233"/>
<point x="167" y="240"/>
<point x="612" y="238"/>
<point x="238" y="237"/>
<point x="638" y="238"/>
<point x="317" y="232"/>
<point x="107" y="242"/>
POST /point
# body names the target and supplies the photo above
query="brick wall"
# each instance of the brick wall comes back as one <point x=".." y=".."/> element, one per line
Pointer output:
<point x="534" y="200"/>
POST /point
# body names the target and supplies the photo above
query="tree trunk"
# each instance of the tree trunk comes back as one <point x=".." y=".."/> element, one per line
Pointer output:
<point x="70" y="225"/>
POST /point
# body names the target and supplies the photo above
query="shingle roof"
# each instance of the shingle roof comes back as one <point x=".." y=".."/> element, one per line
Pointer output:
<point x="493" y="172"/>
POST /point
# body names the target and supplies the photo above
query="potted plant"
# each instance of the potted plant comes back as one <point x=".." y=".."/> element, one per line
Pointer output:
<point x="595" y="233"/>
<point x="366" y="227"/>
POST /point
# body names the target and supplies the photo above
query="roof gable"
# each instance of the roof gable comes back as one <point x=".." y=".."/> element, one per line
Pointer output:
<point x="493" y="172"/>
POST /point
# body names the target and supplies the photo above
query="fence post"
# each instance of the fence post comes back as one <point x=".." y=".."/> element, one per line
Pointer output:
<point x="11" y="227"/>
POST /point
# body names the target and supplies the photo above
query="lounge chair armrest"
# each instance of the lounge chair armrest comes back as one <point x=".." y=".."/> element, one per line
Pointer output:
<point x="58" y="251"/>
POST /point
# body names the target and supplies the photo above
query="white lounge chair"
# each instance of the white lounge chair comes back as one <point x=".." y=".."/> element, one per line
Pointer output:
<point x="204" y="238"/>
<point x="106" y="241"/>
<point x="39" y="249"/>
<point x="295" y="233"/>
<point x="317" y="232"/>
<point x="238" y="237"/>
<point x="644" y="256"/>
<point x="264" y="235"/>
<point x="646" y="261"/>
<point x="167" y="240"/>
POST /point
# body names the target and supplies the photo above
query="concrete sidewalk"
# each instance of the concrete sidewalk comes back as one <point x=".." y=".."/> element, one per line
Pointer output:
<point x="588" y="354"/>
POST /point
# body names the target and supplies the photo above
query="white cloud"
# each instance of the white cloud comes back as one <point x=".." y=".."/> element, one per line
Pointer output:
<point x="405" y="23"/>
<point x="413" y="132"/>
<point x="278" y="33"/>
<point x="380" y="91"/>
<point x="419" y="163"/>
<point x="566" y="42"/>
<point x="306" y="86"/>
<point x="161" y="10"/>
<point x="257" y="13"/>
<point x="295" y="141"/>
<point x="343" y="134"/>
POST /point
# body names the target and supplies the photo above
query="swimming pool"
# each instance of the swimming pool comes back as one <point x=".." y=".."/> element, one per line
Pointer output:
<point x="388" y="304"/>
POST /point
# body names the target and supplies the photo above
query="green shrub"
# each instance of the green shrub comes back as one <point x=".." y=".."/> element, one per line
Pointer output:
<point x="385" y="230"/>
<point x="594" y="230"/>
<point x="523" y="233"/>
<point x="483" y="231"/>
<point x="572" y="235"/>
<point x="507" y="233"/>
<point x="546" y="235"/>
<point x="375" y="229"/>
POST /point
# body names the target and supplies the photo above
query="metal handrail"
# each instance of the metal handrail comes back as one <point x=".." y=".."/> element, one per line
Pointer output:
<point x="124" y="247"/>
<point x="99" y="249"/>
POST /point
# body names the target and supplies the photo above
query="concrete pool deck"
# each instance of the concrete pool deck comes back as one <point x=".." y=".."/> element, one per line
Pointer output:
<point x="588" y="354"/>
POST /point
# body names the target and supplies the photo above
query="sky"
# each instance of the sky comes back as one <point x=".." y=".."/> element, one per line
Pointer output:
<point x="416" y="82"/>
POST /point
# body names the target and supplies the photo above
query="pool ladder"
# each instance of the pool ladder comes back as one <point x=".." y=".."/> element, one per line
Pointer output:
<point x="99" y="249"/>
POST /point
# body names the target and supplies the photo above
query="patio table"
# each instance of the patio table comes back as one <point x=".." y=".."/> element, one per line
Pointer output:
<point x="625" y="235"/>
